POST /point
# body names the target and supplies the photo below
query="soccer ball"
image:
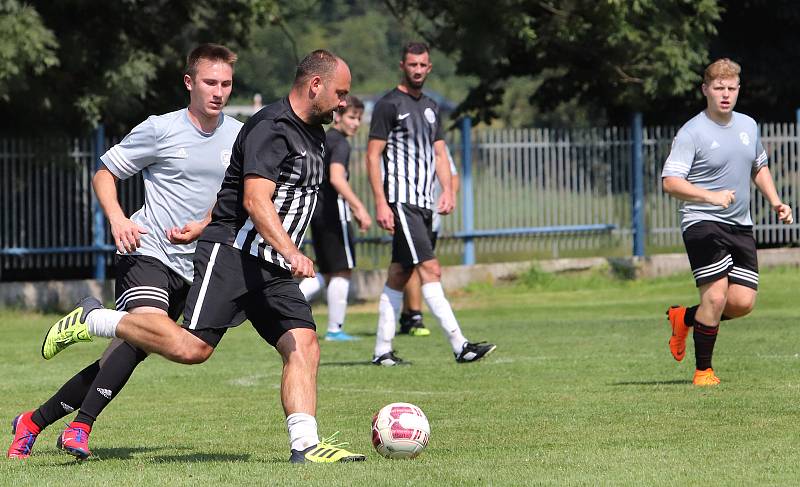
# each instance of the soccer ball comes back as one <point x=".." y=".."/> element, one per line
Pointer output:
<point x="400" y="430"/>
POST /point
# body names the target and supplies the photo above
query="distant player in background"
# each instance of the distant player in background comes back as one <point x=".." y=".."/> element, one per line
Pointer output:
<point x="411" y="322"/>
<point x="406" y="147"/>
<point x="713" y="158"/>
<point x="182" y="156"/>
<point x="331" y="231"/>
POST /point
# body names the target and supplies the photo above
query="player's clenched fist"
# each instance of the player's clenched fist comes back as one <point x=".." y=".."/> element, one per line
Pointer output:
<point x="723" y="198"/>
<point x="127" y="234"/>
<point x="302" y="266"/>
<point x="784" y="213"/>
<point x="384" y="217"/>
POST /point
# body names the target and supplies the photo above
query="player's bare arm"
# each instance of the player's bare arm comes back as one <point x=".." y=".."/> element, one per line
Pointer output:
<point x="257" y="201"/>
<point x="764" y="182"/>
<point x="338" y="179"/>
<point x="686" y="191"/>
<point x="383" y="214"/>
<point x="189" y="232"/>
<point x="446" y="202"/>
<point x="127" y="234"/>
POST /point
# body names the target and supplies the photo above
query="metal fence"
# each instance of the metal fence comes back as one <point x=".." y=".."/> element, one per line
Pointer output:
<point x="532" y="193"/>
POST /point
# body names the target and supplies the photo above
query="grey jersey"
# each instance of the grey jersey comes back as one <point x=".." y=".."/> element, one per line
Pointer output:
<point x="182" y="169"/>
<point x="717" y="157"/>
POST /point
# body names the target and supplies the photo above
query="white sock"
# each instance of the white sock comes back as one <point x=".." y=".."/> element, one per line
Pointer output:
<point x="302" y="431"/>
<point x="311" y="286"/>
<point x="388" y="309"/>
<point x="440" y="307"/>
<point x="337" y="302"/>
<point x="103" y="322"/>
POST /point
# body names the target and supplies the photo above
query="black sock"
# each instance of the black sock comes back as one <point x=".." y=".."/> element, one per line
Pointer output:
<point x="688" y="318"/>
<point x="117" y="369"/>
<point x="67" y="399"/>
<point x="704" y="339"/>
<point x="725" y="318"/>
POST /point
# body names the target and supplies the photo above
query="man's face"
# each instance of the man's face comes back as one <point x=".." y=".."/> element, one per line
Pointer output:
<point x="721" y="94"/>
<point x="349" y="121"/>
<point x="415" y="69"/>
<point x="210" y="88"/>
<point x="331" y="94"/>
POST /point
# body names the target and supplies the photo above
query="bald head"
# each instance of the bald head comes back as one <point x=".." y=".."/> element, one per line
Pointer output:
<point x="320" y="63"/>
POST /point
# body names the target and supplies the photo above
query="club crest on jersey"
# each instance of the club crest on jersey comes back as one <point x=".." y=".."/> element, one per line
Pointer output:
<point x="225" y="157"/>
<point x="430" y="116"/>
<point x="745" y="138"/>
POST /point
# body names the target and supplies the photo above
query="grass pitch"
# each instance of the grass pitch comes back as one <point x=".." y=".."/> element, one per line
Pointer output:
<point x="581" y="391"/>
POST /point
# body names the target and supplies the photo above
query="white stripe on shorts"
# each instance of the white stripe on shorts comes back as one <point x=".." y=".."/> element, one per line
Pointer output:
<point x="204" y="287"/>
<point x="156" y="292"/>
<point x="714" y="268"/>
<point x="345" y="240"/>
<point x="744" y="274"/>
<point x="407" y="233"/>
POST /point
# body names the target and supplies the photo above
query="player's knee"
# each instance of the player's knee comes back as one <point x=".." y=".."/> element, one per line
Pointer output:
<point x="716" y="300"/>
<point x="430" y="270"/>
<point x="193" y="351"/>
<point x="299" y="347"/>
<point x="740" y="306"/>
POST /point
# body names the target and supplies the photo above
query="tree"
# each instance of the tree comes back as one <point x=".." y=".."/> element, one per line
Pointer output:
<point x="92" y="62"/>
<point x="616" y="55"/>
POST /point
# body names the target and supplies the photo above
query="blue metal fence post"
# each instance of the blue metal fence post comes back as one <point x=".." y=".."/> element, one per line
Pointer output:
<point x="468" y="210"/>
<point x="99" y="221"/>
<point x="637" y="186"/>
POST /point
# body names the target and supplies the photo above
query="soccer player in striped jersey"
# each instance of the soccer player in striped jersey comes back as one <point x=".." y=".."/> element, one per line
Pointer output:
<point x="714" y="156"/>
<point x="406" y="148"/>
<point x="182" y="156"/>
<point x="331" y="230"/>
<point x="248" y="254"/>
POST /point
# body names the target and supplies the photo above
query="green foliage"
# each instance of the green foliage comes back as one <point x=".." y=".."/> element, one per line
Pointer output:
<point x="115" y="64"/>
<point x="617" y="54"/>
<point x="28" y="47"/>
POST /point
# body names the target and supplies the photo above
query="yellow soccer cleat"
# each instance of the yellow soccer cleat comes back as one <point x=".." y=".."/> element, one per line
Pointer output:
<point x="326" y="451"/>
<point x="705" y="378"/>
<point x="70" y="329"/>
<point x="677" y="342"/>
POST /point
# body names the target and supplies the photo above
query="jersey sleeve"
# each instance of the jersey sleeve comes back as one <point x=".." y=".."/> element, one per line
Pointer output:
<point x="340" y="153"/>
<point x="265" y="148"/>
<point x="681" y="157"/>
<point x="383" y="119"/>
<point x="439" y="128"/>
<point x="135" y="152"/>
<point x="761" y="154"/>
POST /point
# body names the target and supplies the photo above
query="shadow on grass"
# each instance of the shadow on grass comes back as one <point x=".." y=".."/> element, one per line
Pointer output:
<point x="201" y="457"/>
<point x="128" y="453"/>
<point x="344" y="364"/>
<point x="653" y="383"/>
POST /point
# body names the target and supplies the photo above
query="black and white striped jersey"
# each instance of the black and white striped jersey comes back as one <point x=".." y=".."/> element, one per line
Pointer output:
<point x="409" y="126"/>
<point x="277" y="145"/>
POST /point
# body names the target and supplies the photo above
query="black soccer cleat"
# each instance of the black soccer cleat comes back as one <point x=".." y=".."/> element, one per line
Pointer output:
<point x="472" y="352"/>
<point x="411" y="324"/>
<point x="388" y="359"/>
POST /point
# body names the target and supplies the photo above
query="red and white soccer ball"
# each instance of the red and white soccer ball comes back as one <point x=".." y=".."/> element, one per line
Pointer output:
<point x="400" y="430"/>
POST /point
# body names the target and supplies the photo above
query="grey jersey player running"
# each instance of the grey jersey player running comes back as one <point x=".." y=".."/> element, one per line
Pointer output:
<point x="406" y="147"/>
<point x="247" y="256"/>
<point x="182" y="157"/>
<point x="713" y="159"/>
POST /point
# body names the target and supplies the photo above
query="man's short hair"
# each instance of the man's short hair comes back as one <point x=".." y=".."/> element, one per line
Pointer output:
<point x="320" y="63"/>
<point x="414" y="48"/>
<point x="721" y="69"/>
<point x="210" y="52"/>
<point x="353" y="103"/>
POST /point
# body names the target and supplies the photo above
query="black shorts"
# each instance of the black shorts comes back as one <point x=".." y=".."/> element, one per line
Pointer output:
<point x="145" y="281"/>
<point x="717" y="250"/>
<point x="334" y="244"/>
<point x="413" y="236"/>
<point x="231" y="286"/>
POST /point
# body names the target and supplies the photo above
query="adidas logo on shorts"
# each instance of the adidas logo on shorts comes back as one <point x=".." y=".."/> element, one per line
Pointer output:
<point x="67" y="407"/>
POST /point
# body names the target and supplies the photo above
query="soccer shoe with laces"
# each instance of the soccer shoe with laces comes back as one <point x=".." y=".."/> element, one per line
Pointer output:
<point x="705" y="378"/>
<point x="412" y="325"/>
<point x="326" y="451"/>
<point x="70" y="329"/>
<point x="472" y="352"/>
<point x="339" y="336"/>
<point x="74" y="441"/>
<point x="388" y="359"/>
<point x="677" y="341"/>
<point x="24" y="437"/>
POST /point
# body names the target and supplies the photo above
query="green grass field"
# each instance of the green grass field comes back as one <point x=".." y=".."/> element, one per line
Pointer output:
<point x="581" y="391"/>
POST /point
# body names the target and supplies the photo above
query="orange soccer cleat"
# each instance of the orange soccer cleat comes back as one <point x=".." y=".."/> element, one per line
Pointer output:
<point x="677" y="342"/>
<point x="705" y="378"/>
